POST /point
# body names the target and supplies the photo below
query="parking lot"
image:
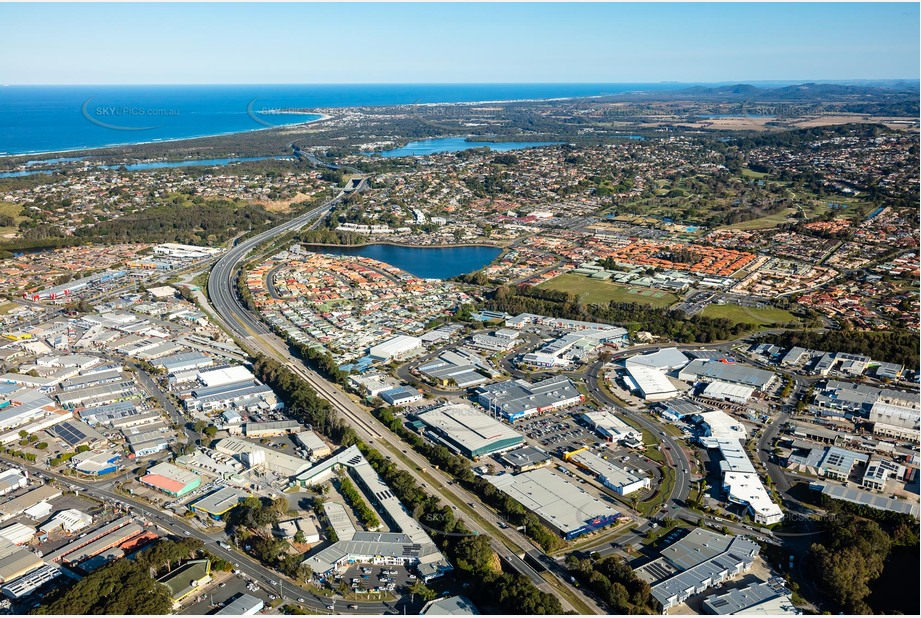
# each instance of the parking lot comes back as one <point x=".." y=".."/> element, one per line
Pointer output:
<point x="224" y="588"/>
<point x="560" y="430"/>
<point x="368" y="579"/>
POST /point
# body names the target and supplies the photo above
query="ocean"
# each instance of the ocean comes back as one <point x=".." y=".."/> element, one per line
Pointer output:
<point x="42" y="119"/>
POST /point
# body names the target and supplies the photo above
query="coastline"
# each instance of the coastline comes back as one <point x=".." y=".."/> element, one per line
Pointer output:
<point x="323" y="117"/>
<point x="91" y="149"/>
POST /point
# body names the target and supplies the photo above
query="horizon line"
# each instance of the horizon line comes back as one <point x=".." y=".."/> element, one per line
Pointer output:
<point x="536" y="83"/>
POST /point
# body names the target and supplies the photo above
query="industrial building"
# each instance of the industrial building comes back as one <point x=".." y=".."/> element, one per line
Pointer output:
<point x="411" y="546"/>
<point x="896" y="419"/>
<point x="831" y="461"/>
<point x="30" y="582"/>
<point x="703" y="559"/>
<point x="723" y="391"/>
<point x="93" y="463"/>
<point x="373" y="384"/>
<point x="573" y="347"/>
<point x="11" y="480"/>
<point x="314" y="445"/>
<point x="20" y="504"/>
<point x="71" y="520"/>
<point x="701" y="370"/>
<point x="242" y="605"/>
<point x="866" y="498"/>
<point x="741" y="482"/>
<point x="612" y="476"/>
<point x="526" y="458"/>
<point x="187" y="579"/>
<point x="400" y="396"/>
<point x="468" y="431"/>
<point x="651" y="384"/>
<point x="396" y="348"/>
<point x="565" y="508"/>
<point x="460" y="367"/>
<point x="517" y="399"/>
<point x="253" y="455"/>
<point x="171" y="479"/>
<point x="450" y="606"/>
<point x="665" y="360"/>
<point x="757" y="599"/>
<point x="274" y="428"/>
<point x="219" y="502"/>
<point x="17" y="533"/>
<point x="16" y="561"/>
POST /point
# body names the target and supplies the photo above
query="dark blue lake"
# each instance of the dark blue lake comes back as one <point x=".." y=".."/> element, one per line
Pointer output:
<point x="424" y="262"/>
<point x="455" y="144"/>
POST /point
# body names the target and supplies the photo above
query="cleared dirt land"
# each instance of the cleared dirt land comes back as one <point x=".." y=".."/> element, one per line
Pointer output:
<point x="596" y="291"/>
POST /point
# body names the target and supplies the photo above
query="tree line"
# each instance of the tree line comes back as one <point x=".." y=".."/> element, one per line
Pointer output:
<point x="613" y="580"/>
<point x="661" y="321"/>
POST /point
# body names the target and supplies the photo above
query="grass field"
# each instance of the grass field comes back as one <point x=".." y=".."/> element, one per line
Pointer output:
<point x="13" y="210"/>
<point x="603" y="292"/>
<point x="759" y="317"/>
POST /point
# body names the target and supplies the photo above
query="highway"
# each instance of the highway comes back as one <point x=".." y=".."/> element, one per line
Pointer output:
<point x="254" y="334"/>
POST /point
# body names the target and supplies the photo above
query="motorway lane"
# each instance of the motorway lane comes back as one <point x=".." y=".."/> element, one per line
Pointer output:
<point x="180" y="528"/>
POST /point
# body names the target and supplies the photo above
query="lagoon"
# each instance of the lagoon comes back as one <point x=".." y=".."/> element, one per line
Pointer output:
<point x="423" y="262"/>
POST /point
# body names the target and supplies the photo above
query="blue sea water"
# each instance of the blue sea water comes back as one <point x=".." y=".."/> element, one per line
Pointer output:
<point x="455" y="144"/>
<point x="423" y="262"/>
<point x="41" y="119"/>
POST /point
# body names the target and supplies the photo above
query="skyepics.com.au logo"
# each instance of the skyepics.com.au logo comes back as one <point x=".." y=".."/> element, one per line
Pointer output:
<point x="125" y="117"/>
<point x="756" y="109"/>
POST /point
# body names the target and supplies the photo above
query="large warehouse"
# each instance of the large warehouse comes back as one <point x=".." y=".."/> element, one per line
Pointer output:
<point x="565" y="507"/>
<point x="611" y="428"/>
<point x="467" y="431"/>
<point x="219" y="502"/>
<point x="650" y="383"/>
<point x="516" y="399"/>
<point x="398" y="347"/>
<point x="709" y="371"/>
<point x="608" y="474"/>
<point x="171" y="479"/>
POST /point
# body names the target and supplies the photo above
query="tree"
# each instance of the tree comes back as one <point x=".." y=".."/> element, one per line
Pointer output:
<point x="210" y="431"/>
<point x="123" y="587"/>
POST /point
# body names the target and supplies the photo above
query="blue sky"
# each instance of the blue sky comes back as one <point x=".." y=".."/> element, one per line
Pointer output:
<point x="455" y="43"/>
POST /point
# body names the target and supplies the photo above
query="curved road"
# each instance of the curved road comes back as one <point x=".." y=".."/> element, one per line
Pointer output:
<point x="259" y="338"/>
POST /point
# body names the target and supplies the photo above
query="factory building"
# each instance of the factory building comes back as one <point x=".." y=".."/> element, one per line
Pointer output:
<point x="565" y="508"/>
<point x="274" y="428"/>
<point x="397" y="348"/>
<point x="651" y="384"/>
<point x="171" y="479"/>
<point x="611" y="428"/>
<point x="314" y="445"/>
<point x="703" y="559"/>
<point x="723" y="391"/>
<point x="741" y="483"/>
<point x="517" y="399"/>
<point x="468" y="431"/>
<point x="219" y="502"/>
<point x="242" y="605"/>
<point x="612" y="476"/>
<point x="702" y="370"/>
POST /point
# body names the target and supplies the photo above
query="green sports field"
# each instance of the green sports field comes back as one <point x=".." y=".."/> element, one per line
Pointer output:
<point x="597" y="291"/>
<point x="750" y="315"/>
